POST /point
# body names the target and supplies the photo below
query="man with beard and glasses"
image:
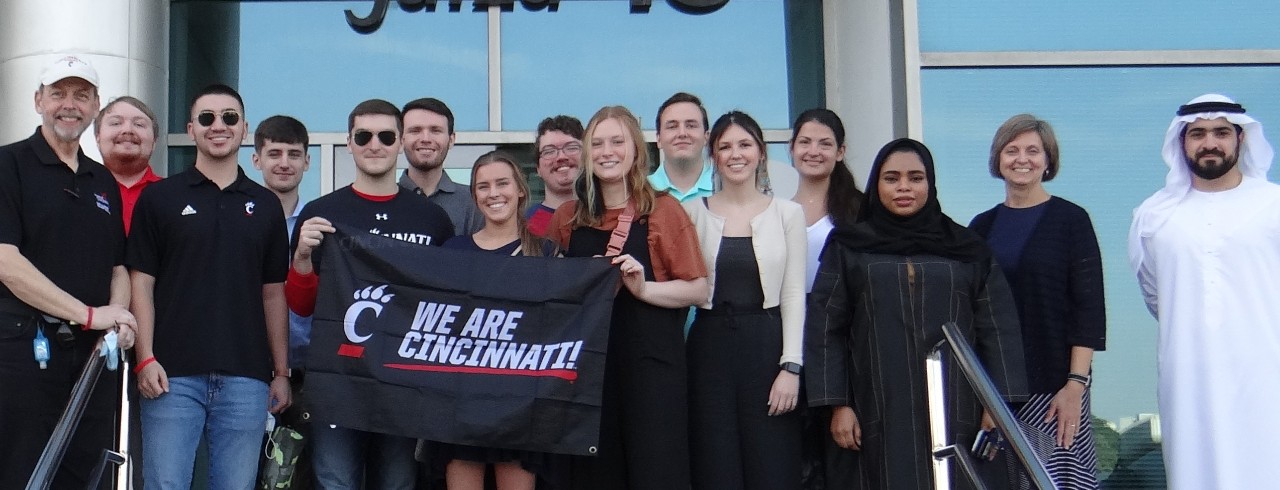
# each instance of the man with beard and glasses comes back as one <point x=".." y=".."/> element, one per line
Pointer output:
<point x="1206" y="249"/>
<point x="126" y="131"/>
<point x="559" y="150"/>
<point x="208" y="255"/>
<point x="62" y="281"/>
<point x="428" y="137"/>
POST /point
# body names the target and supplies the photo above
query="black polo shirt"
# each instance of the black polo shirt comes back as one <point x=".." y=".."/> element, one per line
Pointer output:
<point x="66" y="223"/>
<point x="210" y="250"/>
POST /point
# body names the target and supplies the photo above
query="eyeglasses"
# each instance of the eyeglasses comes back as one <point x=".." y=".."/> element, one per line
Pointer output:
<point x="363" y="137"/>
<point x="569" y="149"/>
<point x="206" y="118"/>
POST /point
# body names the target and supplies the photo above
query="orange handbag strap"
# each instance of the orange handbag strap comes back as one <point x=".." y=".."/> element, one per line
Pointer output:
<point x="620" y="232"/>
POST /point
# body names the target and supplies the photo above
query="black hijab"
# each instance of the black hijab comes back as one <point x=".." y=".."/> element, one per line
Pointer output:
<point x="927" y="232"/>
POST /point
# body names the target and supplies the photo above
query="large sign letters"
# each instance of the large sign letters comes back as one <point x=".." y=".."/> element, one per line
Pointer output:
<point x="373" y="20"/>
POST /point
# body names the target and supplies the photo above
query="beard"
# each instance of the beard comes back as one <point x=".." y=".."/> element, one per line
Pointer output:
<point x="1212" y="171"/>
<point x="127" y="165"/>
<point x="69" y="135"/>
<point x="426" y="165"/>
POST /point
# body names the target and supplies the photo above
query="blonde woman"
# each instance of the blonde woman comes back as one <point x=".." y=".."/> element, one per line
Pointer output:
<point x="644" y="415"/>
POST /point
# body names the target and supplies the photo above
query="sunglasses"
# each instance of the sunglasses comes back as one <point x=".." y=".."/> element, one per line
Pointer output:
<point x="206" y="118"/>
<point x="363" y="137"/>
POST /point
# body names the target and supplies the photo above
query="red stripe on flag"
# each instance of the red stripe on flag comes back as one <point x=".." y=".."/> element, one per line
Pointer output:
<point x="566" y="374"/>
<point x="349" y="350"/>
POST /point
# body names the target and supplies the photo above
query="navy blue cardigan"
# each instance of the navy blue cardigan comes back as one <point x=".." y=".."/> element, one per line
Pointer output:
<point x="1057" y="285"/>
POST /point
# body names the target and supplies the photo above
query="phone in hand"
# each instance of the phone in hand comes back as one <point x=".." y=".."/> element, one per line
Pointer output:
<point x="986" y="444"/>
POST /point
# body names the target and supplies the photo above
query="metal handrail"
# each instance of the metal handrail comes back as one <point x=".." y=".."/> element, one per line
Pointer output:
<point x="51" y="457"/>
<point x="967" y="360"/>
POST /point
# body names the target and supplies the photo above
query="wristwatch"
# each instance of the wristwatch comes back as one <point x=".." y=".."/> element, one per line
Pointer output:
<point x="288" y="373"/>
<point x="791" y="367"/>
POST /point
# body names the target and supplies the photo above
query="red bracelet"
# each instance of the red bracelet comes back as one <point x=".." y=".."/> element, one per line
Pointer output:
<point x="89" y="323"/>
<point x="138" y="369"/>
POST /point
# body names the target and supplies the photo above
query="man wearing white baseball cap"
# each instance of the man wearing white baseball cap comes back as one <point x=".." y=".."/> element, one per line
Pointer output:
<point x="62" y="280"/>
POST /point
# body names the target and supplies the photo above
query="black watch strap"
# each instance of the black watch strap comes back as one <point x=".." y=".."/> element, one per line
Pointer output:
<point x="791" y="367"/>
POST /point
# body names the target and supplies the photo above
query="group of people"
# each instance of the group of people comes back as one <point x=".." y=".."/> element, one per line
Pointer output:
<point x="813" y="311"/>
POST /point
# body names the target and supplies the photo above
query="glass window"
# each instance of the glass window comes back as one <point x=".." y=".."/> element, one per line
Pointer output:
<point x="302" y="59"/>
<point x="590" y="54"/>
<point x="1110" y="124"/>
<point x="1084" y="25"/>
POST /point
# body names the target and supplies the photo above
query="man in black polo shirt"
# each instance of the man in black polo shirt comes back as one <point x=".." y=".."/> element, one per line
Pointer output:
<point x="208" y="256"/>
<point x="61" y="255"/>
<point x="349" y="458"/>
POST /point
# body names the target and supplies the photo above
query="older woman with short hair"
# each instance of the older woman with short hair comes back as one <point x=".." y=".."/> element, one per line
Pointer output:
<point x="1049" y="252"/>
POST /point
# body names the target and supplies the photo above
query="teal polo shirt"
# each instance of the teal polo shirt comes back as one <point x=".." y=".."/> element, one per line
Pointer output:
<point x="702" y="188"/>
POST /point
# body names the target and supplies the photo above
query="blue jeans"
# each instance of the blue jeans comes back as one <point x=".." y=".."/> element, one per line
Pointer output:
<point x="349" y="459"/>
<point x="231" y="411"/>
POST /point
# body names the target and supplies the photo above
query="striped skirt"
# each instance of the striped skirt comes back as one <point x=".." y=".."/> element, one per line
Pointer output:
<point x="1075" y="468"/>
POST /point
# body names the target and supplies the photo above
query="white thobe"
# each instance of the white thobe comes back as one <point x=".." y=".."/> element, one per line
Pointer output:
<point x="1211" y="275"/>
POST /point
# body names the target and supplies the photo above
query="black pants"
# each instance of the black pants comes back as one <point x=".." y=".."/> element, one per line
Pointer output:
<point x="734" y="443"/>
<point x="32" y="400"/>
<point x="644" y="442"/>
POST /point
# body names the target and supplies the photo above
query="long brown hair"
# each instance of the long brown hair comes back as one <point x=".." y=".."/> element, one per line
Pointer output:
<point x="844" y="199"/>
<point x="530" y="244"/>
<point x="590" y="211"/>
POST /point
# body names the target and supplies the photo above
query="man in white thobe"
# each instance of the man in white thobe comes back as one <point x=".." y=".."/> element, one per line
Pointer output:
<point x="1206" y="249"/>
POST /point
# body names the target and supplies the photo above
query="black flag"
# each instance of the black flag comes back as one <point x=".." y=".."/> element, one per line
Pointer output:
<point x="459" y="347"/>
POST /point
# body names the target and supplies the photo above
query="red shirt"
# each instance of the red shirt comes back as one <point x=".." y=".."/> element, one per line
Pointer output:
<point x="129" y="195"/>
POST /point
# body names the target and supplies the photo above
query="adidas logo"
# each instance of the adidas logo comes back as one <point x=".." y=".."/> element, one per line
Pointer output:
<point x="188" y="210"/>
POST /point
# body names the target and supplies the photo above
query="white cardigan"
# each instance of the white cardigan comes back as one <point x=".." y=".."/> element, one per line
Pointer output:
<point x="780" y="242"/>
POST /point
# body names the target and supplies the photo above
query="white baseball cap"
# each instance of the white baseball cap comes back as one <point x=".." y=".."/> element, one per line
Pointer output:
<point x="69" y="66"/>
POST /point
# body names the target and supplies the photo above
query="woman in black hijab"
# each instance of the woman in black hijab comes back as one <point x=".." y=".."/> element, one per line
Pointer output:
<point x="884" y="289"/>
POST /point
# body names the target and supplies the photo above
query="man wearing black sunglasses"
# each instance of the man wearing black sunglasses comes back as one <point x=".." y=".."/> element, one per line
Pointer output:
<point x="61" y="258"/>
<point x="374" y="202"/>
<point x="208" y="253"/>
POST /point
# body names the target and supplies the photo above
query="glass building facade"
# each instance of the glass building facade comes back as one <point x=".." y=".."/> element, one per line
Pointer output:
<point x="1107" y="75"/>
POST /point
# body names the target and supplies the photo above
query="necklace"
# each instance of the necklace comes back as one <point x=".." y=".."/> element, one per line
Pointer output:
<point x="619" y="203"/>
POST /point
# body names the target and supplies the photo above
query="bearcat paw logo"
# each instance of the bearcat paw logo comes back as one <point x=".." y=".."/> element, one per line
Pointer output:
<point x="370" y="298"/>
<point x="375" y="294"/>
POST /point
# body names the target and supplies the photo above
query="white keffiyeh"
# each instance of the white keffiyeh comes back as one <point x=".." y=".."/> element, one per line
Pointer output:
<point x="1255" y="159"/>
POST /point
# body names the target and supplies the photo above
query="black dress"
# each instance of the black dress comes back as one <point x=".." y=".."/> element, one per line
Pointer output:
<point x="872" y="320"/>
<point x="644" y="441"/>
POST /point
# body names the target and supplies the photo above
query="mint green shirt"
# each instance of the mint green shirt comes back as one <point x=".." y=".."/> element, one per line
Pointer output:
<point x="702" y="188"/>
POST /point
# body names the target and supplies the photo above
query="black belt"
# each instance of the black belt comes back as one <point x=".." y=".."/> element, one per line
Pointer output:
<point x="56" y="329"/>
<point x="726" y="310"/>
<point x="15" y="307"/>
